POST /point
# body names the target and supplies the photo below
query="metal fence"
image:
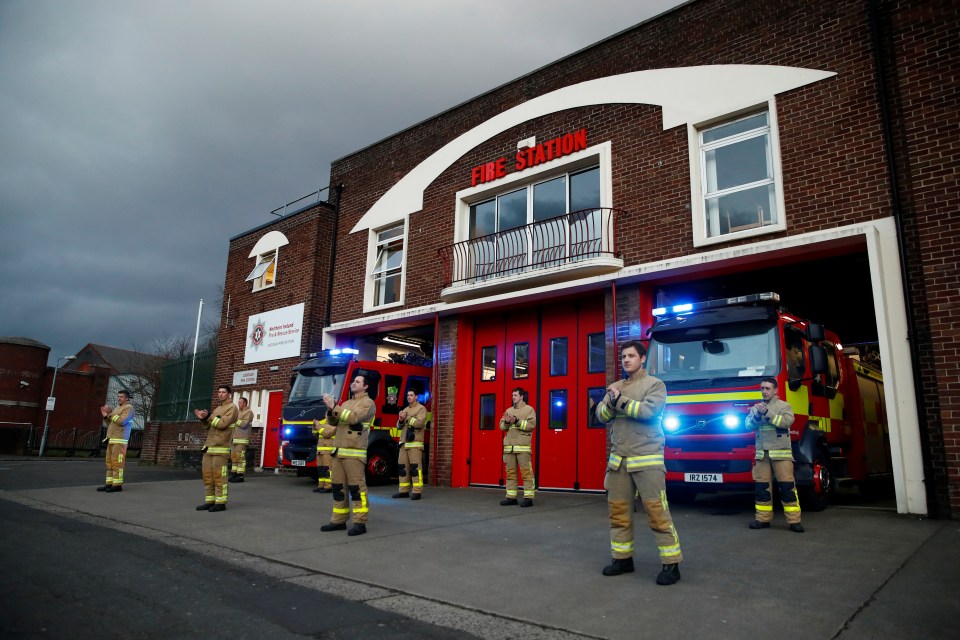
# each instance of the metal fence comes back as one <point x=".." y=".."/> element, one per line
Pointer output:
<point x="83" y="441"/>
<point x="175" y="401"/>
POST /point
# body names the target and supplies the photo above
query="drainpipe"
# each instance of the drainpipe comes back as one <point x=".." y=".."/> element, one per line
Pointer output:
<point x="435" y="437"/>
<point x="876" y="38"/>
<point x="333" y="258"/>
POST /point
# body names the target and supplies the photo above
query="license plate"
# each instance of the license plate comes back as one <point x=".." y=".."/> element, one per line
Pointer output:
<point x="703" y="477"/>
<point x="298" y="463"/>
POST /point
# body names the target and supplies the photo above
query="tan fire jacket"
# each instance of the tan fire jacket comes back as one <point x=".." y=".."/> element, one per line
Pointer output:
<point x="325" y="433"/>
<point x="412" y="427"/>
<point x="119" y="421"/>
<point x="519" y="435"/>
<point x="352" y="420"/>
<point x="636" y="436"/>
<point x="773" y="429"/>
<point x="243" y="427"/>
<point x="219" y="434"/>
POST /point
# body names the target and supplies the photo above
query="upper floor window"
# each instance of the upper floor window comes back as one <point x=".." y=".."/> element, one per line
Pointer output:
<point x="385" y="266"/>
<point x="267" y="253"/>
<point x="738" y="190"/>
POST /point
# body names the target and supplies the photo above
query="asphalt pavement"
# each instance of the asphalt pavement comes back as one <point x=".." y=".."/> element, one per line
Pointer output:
<point x="458" y="560"/>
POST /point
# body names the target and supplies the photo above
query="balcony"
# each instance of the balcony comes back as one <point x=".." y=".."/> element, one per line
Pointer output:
<point x="576" y="245"/>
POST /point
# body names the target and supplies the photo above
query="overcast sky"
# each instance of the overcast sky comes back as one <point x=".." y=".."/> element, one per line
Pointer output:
<point x="137" y="137"/>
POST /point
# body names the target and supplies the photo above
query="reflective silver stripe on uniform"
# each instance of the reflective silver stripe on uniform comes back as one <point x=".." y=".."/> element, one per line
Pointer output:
<point x="117" y="441"/>
<point x="218" y="450"/>
<point x="522" y="448"/>
<point x="413" y="445"/>
<point x="343" y="452"/>
<point x="241" y="441"/>
<point x="636" y="463"/>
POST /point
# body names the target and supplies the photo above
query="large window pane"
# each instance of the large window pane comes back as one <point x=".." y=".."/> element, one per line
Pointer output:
<point x="488" y="412"/>
<point x="512" y="209"/>
<point x="750" y="123"/>
<point x="558" y="409"/>
<point x="483" y="218"/>
<point x="558" y="357"/>
<point x="488" y="364"/>
<point x="736" y="164"/>
<point x="594" y="397"/>
<point x="585" y="189"/>
<point x="596" y="353"/>
<point x="386" y="289"/>
<point x="550" y="199"/>
<point x="741" y="210"/>
<point x="521" y="360"/>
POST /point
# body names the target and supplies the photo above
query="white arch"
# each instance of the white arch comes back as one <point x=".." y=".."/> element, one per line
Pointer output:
<point x="686" y="94"/>
<point x="270" y="241"/>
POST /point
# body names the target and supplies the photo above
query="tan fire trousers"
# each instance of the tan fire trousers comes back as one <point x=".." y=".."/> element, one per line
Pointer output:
<point x="215" y="477"/>
<point x="324" y="463"/>
<point x="622" y="486"/>
<point x="763" y="484"/>
<point x="349" y="490"/>
<point x="524" y="462"/>
<point x="238" y="456"/>
<point x="410" y="469"/>
<point x="116" y="463"/>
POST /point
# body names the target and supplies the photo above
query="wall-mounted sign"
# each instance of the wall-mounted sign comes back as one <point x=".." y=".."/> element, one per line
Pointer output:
<point x="274" y="334"/>
<point x="531" y="156"/>
<point x="241" y="378"/>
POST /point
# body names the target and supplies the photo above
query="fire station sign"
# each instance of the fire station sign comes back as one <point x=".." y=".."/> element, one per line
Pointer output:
<point x="274" y="334"/>
<point x="241" y="378"/>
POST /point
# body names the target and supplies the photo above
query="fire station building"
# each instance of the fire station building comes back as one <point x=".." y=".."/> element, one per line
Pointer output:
<point x="723" y="148"/>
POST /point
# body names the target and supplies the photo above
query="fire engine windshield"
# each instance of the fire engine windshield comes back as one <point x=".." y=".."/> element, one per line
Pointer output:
<point x="311" y="384"/>
<point x="714" y="356"/>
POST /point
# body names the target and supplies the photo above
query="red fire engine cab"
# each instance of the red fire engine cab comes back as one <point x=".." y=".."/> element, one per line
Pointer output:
<point x="331" y="371"/>
<point x="712" y="355"/>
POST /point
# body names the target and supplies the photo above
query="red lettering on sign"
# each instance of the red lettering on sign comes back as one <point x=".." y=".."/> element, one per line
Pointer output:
<point x="531" y="156"/>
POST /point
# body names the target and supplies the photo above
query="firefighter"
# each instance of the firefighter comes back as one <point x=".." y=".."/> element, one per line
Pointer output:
<point x="324" y="433"/>
<point x="118" y="421"/>
<point x="241" y="438"/>
<point x="518" y="422"/>
<point x="352" y="421"/>
<point x="216" y="451"/>
<point x="632" y="410"/>
<point x="771" y="419"/>
<point x="412" y="421"/>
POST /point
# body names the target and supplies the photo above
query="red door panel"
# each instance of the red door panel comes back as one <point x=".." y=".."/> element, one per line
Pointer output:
<point x="271" y="430"/>
<point x="486" y="450"/>
<point x="557" y="408"/>
<point x="591" y="436"/>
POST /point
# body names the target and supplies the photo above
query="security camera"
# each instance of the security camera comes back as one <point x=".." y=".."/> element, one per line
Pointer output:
<point x="24" y="384"/>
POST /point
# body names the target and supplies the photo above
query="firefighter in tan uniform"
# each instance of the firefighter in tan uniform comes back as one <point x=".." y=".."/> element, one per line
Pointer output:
<point x="412" y="421"/>
<point x="241" y="439"/>
<point x="325" y="433"/>
<point x="216" y="452"/>
<point x="518" y="423"/>
<point x="632" y="409"/>
<point x="119" y="420"/>
<point x="352" y="421"/>
<point x="771" y="419"/>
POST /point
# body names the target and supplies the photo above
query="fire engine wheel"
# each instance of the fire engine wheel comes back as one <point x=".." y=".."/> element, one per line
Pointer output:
<point x="379" y="466"/>
<point x="816" y="496"/>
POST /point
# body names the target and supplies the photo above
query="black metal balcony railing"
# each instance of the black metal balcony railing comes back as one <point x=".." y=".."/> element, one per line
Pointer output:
<point x="559" y="241"/>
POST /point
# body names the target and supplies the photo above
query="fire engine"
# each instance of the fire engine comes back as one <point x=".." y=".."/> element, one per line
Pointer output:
<point x="331" y="372"/>
<point x="712" y="356"/>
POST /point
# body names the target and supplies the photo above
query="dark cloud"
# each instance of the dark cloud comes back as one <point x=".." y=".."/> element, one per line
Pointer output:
<point x="137" y="137"/>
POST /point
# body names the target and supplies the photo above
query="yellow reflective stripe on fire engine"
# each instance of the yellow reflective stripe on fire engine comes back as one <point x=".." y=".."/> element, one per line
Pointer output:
<point x="693" y="398"/>
<point x="764" y="507"/>
<point x="351" y="453"/>
<point x="413" y="445"/>
<point x="522" y="448"/>
<point x="241" y="441"/>
<point x="117" y="441"/>
<point x="218" y="450"/>
<point x="286" y="422"/>
<point x="867" y="371"/>
<point x="780" y="454"/>
<point x="621" y="547"/>
<point x="635" y="463"/>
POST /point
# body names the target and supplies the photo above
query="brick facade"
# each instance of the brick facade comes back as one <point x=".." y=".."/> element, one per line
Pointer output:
<point x="164" y="443"/>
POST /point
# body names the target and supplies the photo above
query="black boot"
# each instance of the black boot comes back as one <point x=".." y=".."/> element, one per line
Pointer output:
<point x="237" y="478"/>
<point x="205" y="506"/>
<point x="318" y="489"/>
<point x="334" y="526"/>
<point x="796" y="527"/>
<point x="618" y="566"/>
<point x="104" y="487"/>
<point x="400" y="495"/>
<point x="526" y="502"/>
<point x="506" y="502"/>
<point x="217" y="507"/>
<point x="416" y="496"/>
<point x="114" y="488"/>
<point x="669" y="574"/>
<point x="756" y="524"/>
<point x="232" y="477"/>
<point x="357" y="530"/>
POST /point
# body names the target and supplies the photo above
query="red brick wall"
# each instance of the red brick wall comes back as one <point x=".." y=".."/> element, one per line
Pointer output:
<point x="26" y="362"/>
<point x="834" y="164"/>
<point x="162" y="440"/>
<point x="302" y="276"/>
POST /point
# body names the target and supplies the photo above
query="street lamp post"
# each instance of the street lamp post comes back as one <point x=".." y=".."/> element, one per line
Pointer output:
<point x="46" y="420"/>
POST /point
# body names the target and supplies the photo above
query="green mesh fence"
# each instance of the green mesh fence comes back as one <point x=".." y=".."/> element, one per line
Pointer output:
<point x="175" y="401"/>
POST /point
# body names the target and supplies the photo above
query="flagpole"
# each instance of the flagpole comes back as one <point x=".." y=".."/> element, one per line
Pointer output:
<point x="193" y="363"/>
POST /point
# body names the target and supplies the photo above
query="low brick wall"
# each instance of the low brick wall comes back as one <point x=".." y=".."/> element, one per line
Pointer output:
<point x="179" y="444"/>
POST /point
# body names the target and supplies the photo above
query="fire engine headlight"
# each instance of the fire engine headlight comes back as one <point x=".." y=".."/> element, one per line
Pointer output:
<point x="671" y="423"/>
<point x="731" y="421"/>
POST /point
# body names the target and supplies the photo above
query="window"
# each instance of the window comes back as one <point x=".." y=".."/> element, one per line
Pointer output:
<point x="267" y="254"/>
<point x="521" y="360"/>
<point x="796" y="366"/>
<point x="558" y="409"/>
<point x="738" y="189"/>
<point x="488" y="364"/>
<point x="386" y="274"/>
<point x="488" y="412"/>
<point x="558" y="356"/>
<point x="596" y="353"/>
<point x="420" y="386"/>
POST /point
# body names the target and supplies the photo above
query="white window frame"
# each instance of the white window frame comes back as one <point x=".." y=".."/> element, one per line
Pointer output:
<point x="373" y="245"/>
<point x="265" y="260"/>
<point x="698" y="176"/>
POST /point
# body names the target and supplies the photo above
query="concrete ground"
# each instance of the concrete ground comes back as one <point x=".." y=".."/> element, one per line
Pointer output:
<point x="458" y="559"/>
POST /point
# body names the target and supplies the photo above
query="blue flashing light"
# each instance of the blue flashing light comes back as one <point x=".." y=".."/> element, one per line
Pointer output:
<point x="348" y="350"/>
<point x="558" y="403"/>
<point x="659" y="311"/>
<point x="731" y="421"/>
<point x="682" y="308"/>
<point x="671" y="423"/>
<point x="288" y="431"/>
<point x="335" y="352"/>
<point x="344" y="351"/>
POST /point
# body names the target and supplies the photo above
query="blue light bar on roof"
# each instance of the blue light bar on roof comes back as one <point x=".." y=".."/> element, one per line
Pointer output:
<point x="769" y="297"/>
